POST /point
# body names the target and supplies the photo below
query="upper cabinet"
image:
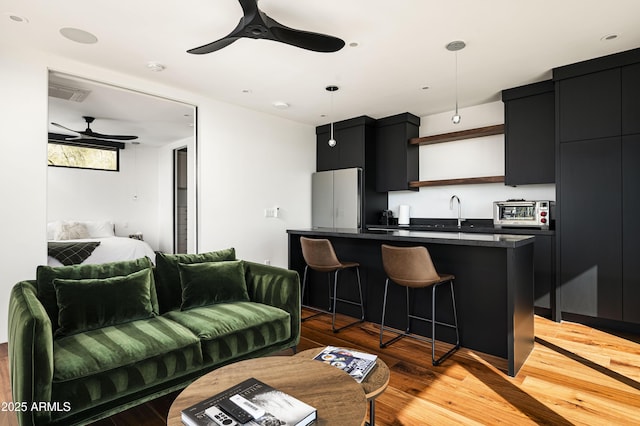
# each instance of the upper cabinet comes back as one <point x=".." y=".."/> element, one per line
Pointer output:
<point x="397" y="160"/>
<point x="630" y="76"/>
<point x="589" y="106"/>
<point x="529" y="113"/>
<point x="355" y="144"/>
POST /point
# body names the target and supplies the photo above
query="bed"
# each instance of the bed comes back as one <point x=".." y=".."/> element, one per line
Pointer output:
<point x="74" y="242"/>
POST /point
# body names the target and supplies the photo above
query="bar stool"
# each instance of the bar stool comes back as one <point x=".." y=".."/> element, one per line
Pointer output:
<point x="412" y="267"/>
<point x="320" y="256"/>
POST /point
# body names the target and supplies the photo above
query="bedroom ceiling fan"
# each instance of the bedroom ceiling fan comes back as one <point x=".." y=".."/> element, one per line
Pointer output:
<point x="90" y="134"/>
<point x="256" y="24"/>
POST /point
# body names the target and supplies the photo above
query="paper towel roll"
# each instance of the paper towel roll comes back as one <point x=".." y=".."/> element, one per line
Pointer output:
<point x="403" y="215"/>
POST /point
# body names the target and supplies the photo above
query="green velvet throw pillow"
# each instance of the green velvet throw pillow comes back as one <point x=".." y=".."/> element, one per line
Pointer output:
<point x="46" y="274"/>
<point x="168" y="275"/>
<point x="212" y="282"/>
<point x="88" y="304"/>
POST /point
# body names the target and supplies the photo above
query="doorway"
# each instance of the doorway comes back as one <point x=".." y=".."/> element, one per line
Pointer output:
<point x="180" y="191"/>
<point x="140" y="196"/>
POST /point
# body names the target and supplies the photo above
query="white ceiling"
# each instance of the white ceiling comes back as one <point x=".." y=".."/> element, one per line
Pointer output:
<point x="401" y="48"/>
<point x="156" y="121"/>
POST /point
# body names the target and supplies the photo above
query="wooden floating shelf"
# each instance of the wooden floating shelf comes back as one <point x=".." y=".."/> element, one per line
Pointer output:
<point x="456" y="136"/>
<point x="461" y="181"/>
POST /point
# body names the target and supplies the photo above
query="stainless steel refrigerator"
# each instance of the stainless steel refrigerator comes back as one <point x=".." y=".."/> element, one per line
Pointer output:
<point x="337" y="199"/>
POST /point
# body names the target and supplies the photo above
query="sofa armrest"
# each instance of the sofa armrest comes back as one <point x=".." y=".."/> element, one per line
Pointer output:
<point x="30" y="352"/>
<point x="277" y="287"/>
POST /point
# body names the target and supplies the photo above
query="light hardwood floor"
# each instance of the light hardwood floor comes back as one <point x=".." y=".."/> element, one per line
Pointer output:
<point x="576" y="375"/>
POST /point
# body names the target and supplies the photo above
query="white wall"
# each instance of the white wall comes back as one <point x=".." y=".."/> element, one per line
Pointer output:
<point x="128" y="198"/>
<point x="476" y="157"/>
<point x="23" y="172"/>
<point x="247" y="161"/>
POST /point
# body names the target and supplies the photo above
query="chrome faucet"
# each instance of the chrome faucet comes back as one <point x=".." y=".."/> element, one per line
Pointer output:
<point x="455" y="197"/>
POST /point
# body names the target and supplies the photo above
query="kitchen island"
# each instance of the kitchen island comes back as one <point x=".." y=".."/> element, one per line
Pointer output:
<point x="493" y="286"/>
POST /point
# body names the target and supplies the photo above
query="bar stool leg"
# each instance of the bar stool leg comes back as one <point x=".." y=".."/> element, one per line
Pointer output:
<point x="408" y="330"/>
<point x="360" y="291"/>
<point x="335" y="299"/>
<point x="455" y="314"/>
<point x="304" y="284"/>
<point x="384" y="310"/>
<point x="384" y="344"/>
<point x="438" y="361"/>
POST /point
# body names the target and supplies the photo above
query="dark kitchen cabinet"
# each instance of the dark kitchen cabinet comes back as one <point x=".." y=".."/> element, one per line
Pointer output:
<point x="590" y="105"/>
<point x="631" y="228"/>
<point x="630" y="99"/>
<point x="397" y="160"/>
<point x="544" y="271"/>
<point x="591" y="228"/>
<point x="355" y="147"/>
<point x="355" y="142"/>
<point x="529" y="117"/>
<point x="598" y="188"/>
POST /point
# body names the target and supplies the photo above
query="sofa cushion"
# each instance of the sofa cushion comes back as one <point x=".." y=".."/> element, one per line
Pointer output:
<point x="231" y="330"/>
<point x="209" y="283"/>
<point x="168" y="275"/>
<point x="111" y="362"/>
<point x="46" y="274"/>
<point x="92" y="303"/>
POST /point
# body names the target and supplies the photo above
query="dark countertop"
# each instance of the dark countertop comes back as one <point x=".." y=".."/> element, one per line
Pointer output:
<point x="484" y="226"/>
<point x="432" y="237"/>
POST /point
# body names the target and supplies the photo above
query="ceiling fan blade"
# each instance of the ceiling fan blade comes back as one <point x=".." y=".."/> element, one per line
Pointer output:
<point x="307" y="40"/>
<point x="66" y="128"/>
<point x="304" y="39"/>
<point x="213" y="46"/>
<point x="93" y="135"/>
<point x="249" y="7"/>
<point x="257" y="25"/>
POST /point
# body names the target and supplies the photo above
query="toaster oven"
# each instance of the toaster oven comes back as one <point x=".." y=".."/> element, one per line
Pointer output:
<point x="521" y="213"/>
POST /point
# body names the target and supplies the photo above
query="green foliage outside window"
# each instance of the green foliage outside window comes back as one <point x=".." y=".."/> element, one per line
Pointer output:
<point x="83" y="157"/>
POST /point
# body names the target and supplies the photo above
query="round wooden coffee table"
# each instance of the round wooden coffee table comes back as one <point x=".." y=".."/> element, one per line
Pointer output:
<point x="373" y="385"/>
<point x="339" y="399"/>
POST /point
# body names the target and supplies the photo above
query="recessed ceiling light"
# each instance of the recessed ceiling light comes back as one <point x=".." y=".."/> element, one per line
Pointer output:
<point x="17" y="18"/>
<point x="609" y="37"/>
<point x="280" y="105"/>
<point x="78" y="35"/>
<point x="155" y="66"/>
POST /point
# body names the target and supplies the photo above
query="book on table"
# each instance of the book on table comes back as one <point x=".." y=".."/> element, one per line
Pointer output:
<point x="357" y="364"/>
<point x="251" y="403"/>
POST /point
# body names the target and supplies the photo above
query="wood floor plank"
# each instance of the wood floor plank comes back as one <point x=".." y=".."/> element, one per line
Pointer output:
<point x="576" y="375"/>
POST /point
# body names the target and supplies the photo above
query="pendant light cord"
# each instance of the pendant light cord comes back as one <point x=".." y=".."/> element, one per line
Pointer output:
<point x="331" y="112"/>
<point x="456" y="82"/>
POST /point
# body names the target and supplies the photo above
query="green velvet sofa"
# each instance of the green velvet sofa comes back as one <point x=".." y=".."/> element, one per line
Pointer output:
<point x="89" y="341"/>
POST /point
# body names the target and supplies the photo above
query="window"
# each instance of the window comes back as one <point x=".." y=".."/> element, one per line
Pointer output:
<point x="83" y="156"/>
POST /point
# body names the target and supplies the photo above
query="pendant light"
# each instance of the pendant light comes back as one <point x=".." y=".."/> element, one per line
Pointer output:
<point x="455" y="46"/>
<point x="332" y="142"/>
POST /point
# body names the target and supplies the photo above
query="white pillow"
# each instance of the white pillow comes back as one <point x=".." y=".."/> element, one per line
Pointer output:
<point x="70" y="231"/>
<point x="100" y="229"/>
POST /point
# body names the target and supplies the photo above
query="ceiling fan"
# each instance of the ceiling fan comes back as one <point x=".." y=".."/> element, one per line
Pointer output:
<point x="90" y="134"/>
<point x="256" y="24"/>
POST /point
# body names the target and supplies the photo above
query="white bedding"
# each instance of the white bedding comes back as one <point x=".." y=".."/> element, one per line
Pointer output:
<point x="112" y="249"/>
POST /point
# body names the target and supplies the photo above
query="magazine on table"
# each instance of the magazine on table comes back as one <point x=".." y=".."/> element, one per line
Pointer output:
<point x="357" y="364"/>
<point x="250" y="403"/>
